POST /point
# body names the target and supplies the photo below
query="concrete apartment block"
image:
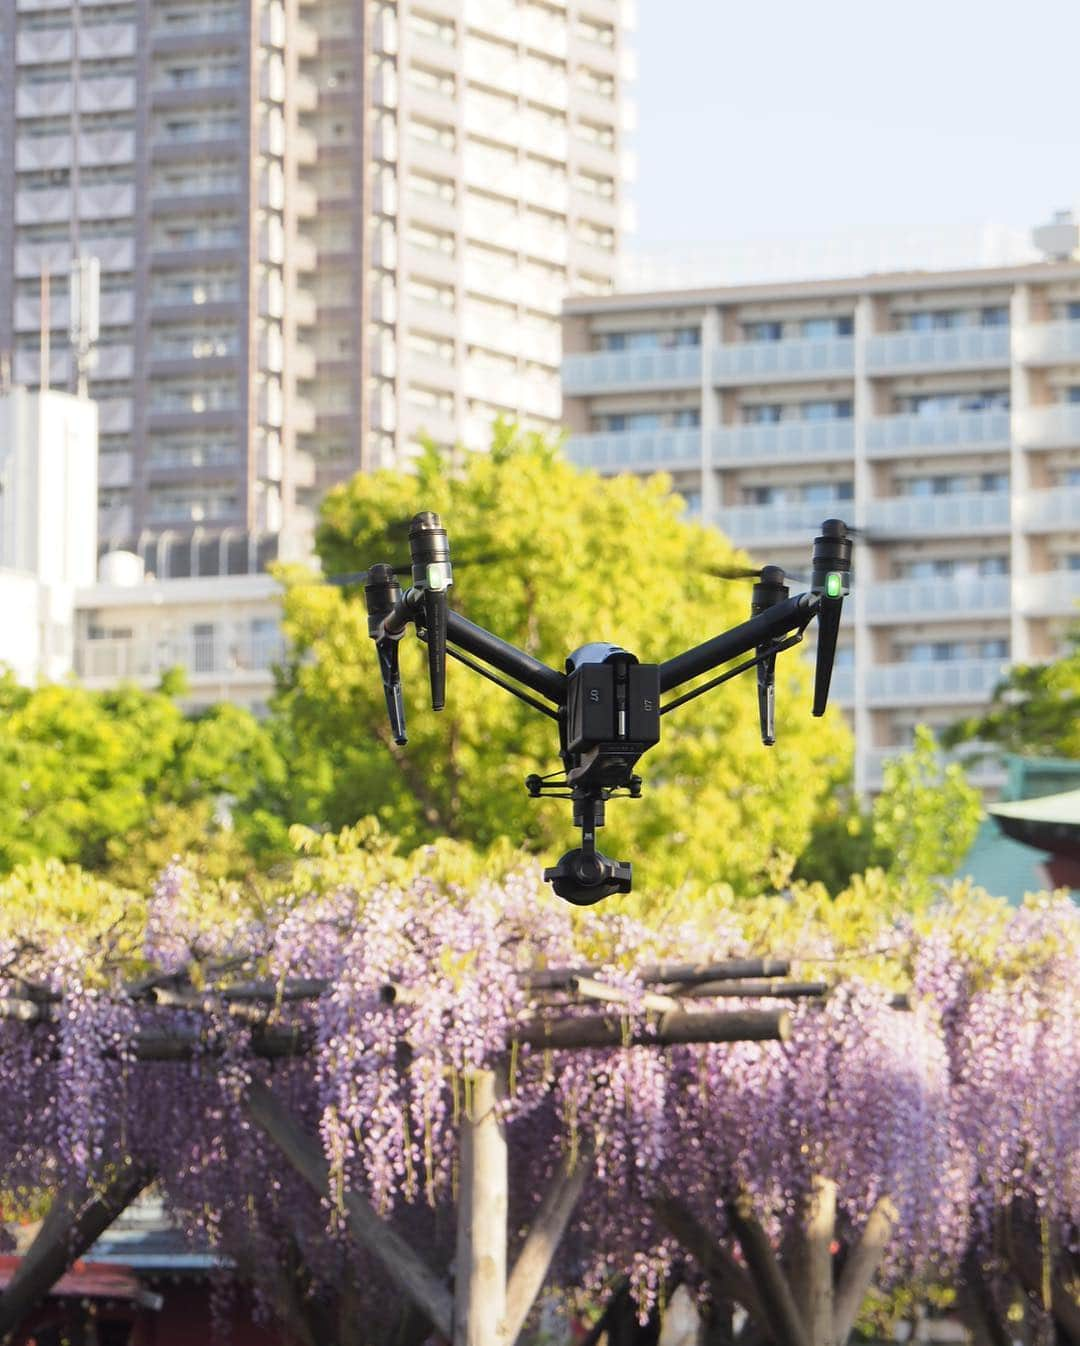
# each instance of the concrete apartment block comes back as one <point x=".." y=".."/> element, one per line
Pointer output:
<point x="940" y="411"/>
<point x="323" y="230"/>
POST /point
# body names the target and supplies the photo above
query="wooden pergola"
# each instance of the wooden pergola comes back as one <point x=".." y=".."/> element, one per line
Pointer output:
<point x="797" y="1300"/>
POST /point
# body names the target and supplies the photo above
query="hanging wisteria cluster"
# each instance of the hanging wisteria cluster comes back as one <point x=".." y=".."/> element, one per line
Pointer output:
<point x="955" y="1106"/>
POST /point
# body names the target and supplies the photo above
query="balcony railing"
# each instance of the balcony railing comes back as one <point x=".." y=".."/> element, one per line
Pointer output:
<point x="784" y="442"/>
<point x="636" y="450"/>
<point x="1047" y="510"/>
<point x="974" y="512"/>
<point x="1051" y="593"/>
<point x="753" y="360"/>
<point x="949" y="680"/>
<point x="987" y="595"/>
<point x="201" y="656"/>
<point x="958" y="348"/>
<point x="1048" y="342"/>
<point x="748" y="525"/>
<point x="1052" y="427"/>
<point x="892" y="436"/>
<point x="604" y="371"/>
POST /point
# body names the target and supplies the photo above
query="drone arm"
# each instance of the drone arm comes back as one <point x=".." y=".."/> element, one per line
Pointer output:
<point x="506" y="658"/>
<point x="772" y="624"/>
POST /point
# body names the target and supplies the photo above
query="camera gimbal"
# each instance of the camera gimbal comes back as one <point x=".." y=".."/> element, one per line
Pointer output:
<point x="607" y="703"/>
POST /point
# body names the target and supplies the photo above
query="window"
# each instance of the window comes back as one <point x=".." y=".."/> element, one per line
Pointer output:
<point x="1072" y="561"/>
<point x="936" y="404"/>
<point x="819" y="329"/>
<point x="933" y="320"/>
<point x="993" y="649"/>
<point x="1072" y="311"/>
<point x="994" y="481"/>
<point x="762" y="331"/>
<point x="832" y="410"/>
<point x="677" y="418"/>
<point x="997" y="315"/>
<point x="649" y="340"/>
<point x="763" y="413"/>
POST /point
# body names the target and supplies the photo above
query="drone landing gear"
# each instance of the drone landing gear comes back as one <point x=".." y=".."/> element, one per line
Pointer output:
<point x="585" y="875"/>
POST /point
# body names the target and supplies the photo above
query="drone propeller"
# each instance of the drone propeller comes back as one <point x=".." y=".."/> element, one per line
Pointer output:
<point x="363" y="576"/>
<point x="748" y="573"/>
<point x="831" y="580"/>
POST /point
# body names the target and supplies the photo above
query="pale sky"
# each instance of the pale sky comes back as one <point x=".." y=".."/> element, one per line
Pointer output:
<point x="819" y="120"/>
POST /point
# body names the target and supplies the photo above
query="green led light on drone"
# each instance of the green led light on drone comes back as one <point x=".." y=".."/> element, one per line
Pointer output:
<point x="438" y="576"/>
<point x="834" y="584"/>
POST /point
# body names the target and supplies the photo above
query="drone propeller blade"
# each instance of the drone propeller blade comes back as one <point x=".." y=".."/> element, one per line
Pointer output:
<point x="745" y="573"/>
<point x="362" y="576"/>
<point x="766" y="696"/>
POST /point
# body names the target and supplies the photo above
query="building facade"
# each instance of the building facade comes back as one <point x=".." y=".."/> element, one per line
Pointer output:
<point x="323" y="230"/>
<point x="939" y="412"/>
<point x="48" y="481"/>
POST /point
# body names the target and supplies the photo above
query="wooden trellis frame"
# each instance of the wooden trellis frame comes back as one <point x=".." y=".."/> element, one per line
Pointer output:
<point x="797" y="1303"/>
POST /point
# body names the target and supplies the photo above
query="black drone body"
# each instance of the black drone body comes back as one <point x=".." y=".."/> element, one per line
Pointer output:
<point x="606" y="702"/>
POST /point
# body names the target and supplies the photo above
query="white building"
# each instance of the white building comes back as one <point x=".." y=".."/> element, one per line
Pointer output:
<point x="48" y="534"/>
<point x="940" y="411"/>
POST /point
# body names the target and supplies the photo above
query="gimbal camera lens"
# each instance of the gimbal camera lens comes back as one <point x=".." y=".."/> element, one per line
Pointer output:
<point x="584" y="877"/>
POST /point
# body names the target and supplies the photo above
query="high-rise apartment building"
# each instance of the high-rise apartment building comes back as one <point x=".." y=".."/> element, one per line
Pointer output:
<point x="323" y="230"/>
<point x="939" y="411"/>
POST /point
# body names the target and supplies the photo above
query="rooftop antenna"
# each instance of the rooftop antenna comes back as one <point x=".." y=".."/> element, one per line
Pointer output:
<point x="85" y="316"/>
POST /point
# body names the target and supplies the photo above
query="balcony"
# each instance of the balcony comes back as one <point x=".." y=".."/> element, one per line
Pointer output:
<point x="636" y="451"/>
<point x="928" y="515"/>
<point x="114" y="362"/>
<point x="107" y="95"/>
<point x="114" y="415"/>
<point x="303" y="418"/>
<point x="37" y="153"/>
<point x="43" y="100"/>
<point x="959" y="680"/>
<point x="43" y="46"/>
<point x="484" y="66"/>
<point x="1048" y="343"/>
<point x="108" y="202"/>
<point x="955" y="348"/>
<point x="100" y="148"/>
<point x="106" y="41"/>
<point x="115" y="469"/>
<point x="752" y="526"/>
<point x="114" y="525"/>
<point x="1051" y="510"/>
<point x="1051" y="427"/>
<point x="203" y="657"/>
<point x="303" y="469"/>
<point x="938" y="599"/>
<point x="948" y="432"/>
<point x="754" y="361"/>
<point x="784" y="442"/>
<point x="51" y="206"/>
<point x="612" y="371"/>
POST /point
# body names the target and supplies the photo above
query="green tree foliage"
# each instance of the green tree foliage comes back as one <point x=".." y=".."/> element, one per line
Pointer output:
<point x="916" y="832"/>
<point x="925" y="818"/>
<point x="580" y="559"/>
<point x="1034" y="712"/>
<point x="94" y="777"/>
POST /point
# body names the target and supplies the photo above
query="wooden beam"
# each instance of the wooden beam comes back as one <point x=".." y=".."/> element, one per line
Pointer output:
<point x="609" y="1031"/>
<point x="559" y="978"/>
<point x="756" y="988"/>
<point x="591" y="989"/>
<point x="861" y="1267"/>
<point x="80" y="1214"/>
<point x="480" y="1258"/>
<point x="404" y="1267"/>
<point x="548" y="1226"/>
<point x="728" y="1280"/>
<point x="774" y="1293"/>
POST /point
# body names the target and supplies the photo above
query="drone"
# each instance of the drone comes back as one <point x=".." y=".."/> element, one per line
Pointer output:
<point x="607" y="703"/>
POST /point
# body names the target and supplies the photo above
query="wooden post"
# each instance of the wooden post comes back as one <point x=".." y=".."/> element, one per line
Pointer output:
<point x="777" y="1301"/>
<point x="819" y="1228"/>
<point x="548" y="1226"/>
<point x="861" y="1266"/>
<point x="79" y="1215"/>
<point x="404" y="1267"/>
<point x="480" y="1259"/>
